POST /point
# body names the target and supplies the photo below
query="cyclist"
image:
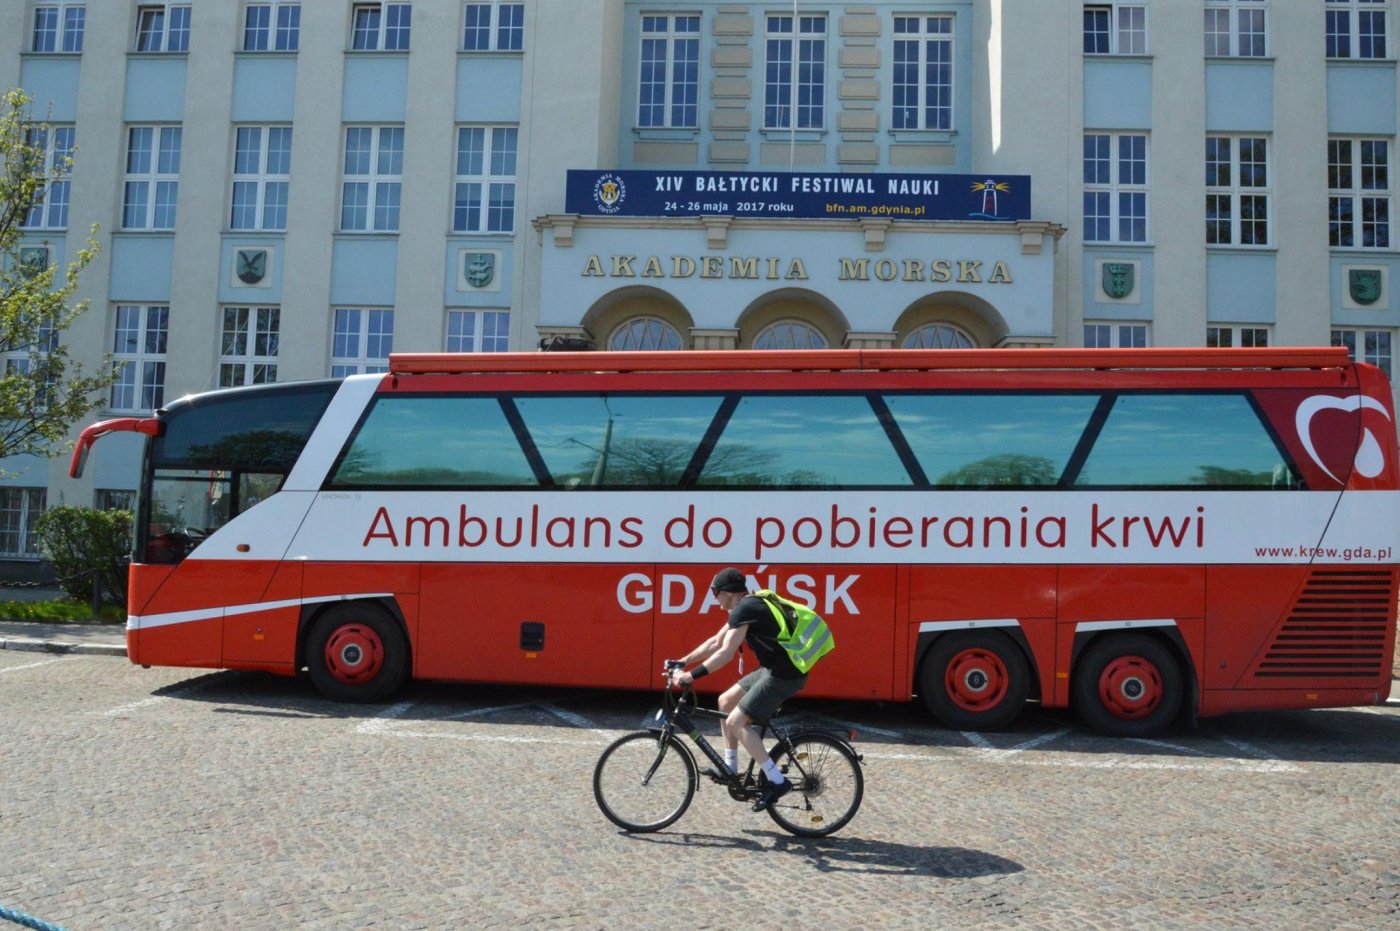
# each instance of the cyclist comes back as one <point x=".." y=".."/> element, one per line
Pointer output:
<point x="757" y="695"/>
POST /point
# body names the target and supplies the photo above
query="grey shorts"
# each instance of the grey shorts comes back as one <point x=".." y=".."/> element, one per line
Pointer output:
<point x="763" y="693"/>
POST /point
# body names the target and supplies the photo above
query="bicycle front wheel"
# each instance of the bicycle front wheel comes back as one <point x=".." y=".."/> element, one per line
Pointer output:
<point x="642" y="783"/>
<point x="827" y="785"/>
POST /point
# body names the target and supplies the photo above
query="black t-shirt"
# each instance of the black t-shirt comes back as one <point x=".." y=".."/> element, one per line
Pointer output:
<point x="761" y="634"/>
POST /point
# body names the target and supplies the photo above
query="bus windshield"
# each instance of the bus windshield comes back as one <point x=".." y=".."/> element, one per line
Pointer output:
<point x="218" y="455"/>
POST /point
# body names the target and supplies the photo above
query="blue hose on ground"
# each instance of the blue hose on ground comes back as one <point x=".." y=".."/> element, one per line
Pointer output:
<point x="20" y="918"/>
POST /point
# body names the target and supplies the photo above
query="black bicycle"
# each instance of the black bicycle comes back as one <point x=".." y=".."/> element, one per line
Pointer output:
<point x="646" y="780"/>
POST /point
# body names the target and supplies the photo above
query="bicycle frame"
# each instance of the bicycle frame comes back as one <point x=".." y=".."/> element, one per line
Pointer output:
<point x="675" y="715"/>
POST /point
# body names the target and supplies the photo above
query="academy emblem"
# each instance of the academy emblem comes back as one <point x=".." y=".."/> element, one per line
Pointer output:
<point x="609" y="192"/>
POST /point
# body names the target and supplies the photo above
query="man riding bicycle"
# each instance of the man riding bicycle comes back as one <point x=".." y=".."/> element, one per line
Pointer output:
<point x="757" y="695"/>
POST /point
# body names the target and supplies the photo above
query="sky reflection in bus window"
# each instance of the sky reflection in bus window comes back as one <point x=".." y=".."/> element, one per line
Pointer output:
<point x="992" y="440"/>
<point x="631" y="440"/>
<point x="1190" y="440"/>
<point x="816" y="441"/>
<point x="434" y="442"/>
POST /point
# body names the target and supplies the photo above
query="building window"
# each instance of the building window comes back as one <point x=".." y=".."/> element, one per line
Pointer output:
<point x="381" y="27"/>
<point x="644" y="333"/>
<point x="50" y="210"/>
<point x="1357" y="28"/>
<point x="1358" y="199"/>
<point x="1369" y="346"/>
<point x="478" y="331"/>
<point x="669" y="91"/>
<point x="1115" y="29"/>
<point x="1242" y="336"/>
<point x="369" y="199"/>
<point x="114" y="499"/>
<point x="795" y="79"/>
<point x="1115" y="335"/>
<point x="937" y="336"/>
<point x="272" y="27"/>
<point x="20" y="509"/>
<point x="923" y="72"/>
<point x="1115" y="187"/>
<point x="58" y="26"/>
<point x="248" y="350"/>
<point x="1237" y="190"/>
<point x="790" y="334"/>
<point x="508" y="34"/>
<point x="1236" y="29"/>
<point x="163" y="27"/>
<point x="483" y="198"/>
<point x="139" y="353"/>
<point x="28" y="357"/>
<point x="361" y="342"/>
<point x="262" y="165"/>
<point x="152" y="179"/>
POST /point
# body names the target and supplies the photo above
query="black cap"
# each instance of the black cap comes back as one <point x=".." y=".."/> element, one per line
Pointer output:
<point x="729" y="580"/>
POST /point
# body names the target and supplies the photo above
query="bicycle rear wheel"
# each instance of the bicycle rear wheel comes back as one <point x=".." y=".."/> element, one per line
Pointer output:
<point x="827" y="785"/>
<point x="642" y="783"/>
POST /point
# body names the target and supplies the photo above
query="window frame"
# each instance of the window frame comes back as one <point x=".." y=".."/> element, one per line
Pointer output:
<point x="805" y="47"/>
<point x="1117" y="33"/>
<point x="783" y="332"/>
<point x="494" y="28"/>
<point x="375" y="182"/>
<point x="58" y="142"/>
<point x="67" y="34"/>
<point x="1358" y="194"/>
<point x="922" y="40"/>
<point x="381" y="33"/>
<point x="277" y="36"/>
<point x="156" y="180"/>
<point x="457" y="339"/>
<point x="365" y="332"/>
<point x="1354" y="12"/>
<point x="1237" y="192"/>
<point x="25" y="531"/>
<point x="1234" y="14"/>
<point x="486" y="216"/>
<point x="263" y="180"/>
<point x="1116" y="331"/>
<point x="146" y="362"/>
<point x="1115" y="191"/>
<point x="254" y="328"/>
<point x="656" y="333"/>
<point x="1359" y="336"/>
<point x="1242" y="335"/>
<point x="679" y="106"/>
<point x="171" y="36"/>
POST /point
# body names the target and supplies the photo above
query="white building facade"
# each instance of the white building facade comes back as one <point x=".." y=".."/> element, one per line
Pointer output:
<point x="290" y="190"/>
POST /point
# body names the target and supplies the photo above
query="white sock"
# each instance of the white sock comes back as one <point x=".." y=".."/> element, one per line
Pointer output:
<point x="731" y="759"/>
<point x="770" y="769"/>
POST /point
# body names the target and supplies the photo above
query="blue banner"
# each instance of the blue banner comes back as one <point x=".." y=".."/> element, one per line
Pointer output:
<point x="799" y="194"/>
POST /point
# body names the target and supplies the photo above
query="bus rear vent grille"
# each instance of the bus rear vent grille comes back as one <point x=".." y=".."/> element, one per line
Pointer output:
<point x="1336" y="629"/>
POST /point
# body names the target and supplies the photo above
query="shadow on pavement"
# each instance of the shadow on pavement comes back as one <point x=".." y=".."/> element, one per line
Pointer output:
<point x="847" y="854"/>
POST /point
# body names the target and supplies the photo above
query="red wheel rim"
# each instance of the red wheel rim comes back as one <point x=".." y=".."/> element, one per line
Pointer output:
<point x="1130" y="687"/>
<point x="976" y="680"/>
<point x="354" y="654"/>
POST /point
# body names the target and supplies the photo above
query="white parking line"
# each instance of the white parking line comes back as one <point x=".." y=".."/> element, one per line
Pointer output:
<point x="1068" y="761"/>
<point x="47" y="662"/>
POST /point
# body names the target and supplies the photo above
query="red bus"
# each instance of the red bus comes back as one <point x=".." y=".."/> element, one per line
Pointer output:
<point x="1143" y="535"/>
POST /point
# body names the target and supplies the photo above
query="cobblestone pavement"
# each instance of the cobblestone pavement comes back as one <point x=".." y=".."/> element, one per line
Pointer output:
<point x="175" y="799"/>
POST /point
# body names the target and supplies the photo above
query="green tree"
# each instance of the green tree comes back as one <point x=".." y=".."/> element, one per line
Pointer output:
<point x="42" y="391"/>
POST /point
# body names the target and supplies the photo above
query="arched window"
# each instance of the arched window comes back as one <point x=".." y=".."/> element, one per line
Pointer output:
<point x="790" y="334"/>
<point x="646" y="333"/>
<point x="938" y="336"/>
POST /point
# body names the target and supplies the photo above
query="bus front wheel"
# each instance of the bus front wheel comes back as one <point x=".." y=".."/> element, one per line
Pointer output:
<point x="975" y="681"/>
<point x="1127" y="685"/>
<point x="356" y="654"/>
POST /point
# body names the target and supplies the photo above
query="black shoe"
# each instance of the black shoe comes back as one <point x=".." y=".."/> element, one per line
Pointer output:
<point x="771" y="793"/>
<point x="712" y="773"/>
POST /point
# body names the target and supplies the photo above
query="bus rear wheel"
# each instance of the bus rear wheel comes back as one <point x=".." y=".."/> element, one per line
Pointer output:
<point x="356" y="654"/>
<point x="975" y="681"/>
<point x="1128" y="685"/>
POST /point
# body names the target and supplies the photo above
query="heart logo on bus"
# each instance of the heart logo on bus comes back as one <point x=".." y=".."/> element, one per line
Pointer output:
<point x="1370" y="458"/>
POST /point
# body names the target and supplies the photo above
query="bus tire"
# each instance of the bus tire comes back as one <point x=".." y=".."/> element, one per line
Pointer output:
<point x="1127" y="685"/>
<point x="356" y="653"/>
<point x="975" y="681"/>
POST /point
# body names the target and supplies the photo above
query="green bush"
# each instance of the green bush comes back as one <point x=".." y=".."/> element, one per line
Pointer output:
<point x="79" y="541"/>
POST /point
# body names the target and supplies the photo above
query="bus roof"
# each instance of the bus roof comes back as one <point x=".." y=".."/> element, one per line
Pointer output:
<point x="883" y="360"/>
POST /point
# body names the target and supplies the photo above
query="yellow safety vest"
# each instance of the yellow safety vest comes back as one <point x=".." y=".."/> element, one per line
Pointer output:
<point x="801" y="631"/>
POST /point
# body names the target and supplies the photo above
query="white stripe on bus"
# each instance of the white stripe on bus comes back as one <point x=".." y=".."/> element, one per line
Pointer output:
<point x="932" y="626"/>
<point x="1089" y="626"/>
<point x="140" y="622"/>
